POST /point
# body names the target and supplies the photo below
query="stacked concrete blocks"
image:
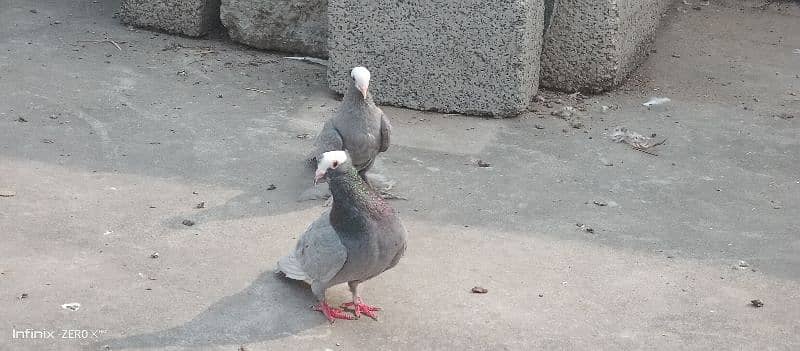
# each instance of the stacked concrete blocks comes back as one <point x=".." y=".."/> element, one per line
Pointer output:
<point x="188" y="17"/>
<point x="593" y="45"/>
<point x="295" y="26"/>
<point x="467" y="56"/>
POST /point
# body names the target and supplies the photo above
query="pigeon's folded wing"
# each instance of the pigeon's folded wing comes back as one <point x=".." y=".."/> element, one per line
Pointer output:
<point x="320" y="251"/>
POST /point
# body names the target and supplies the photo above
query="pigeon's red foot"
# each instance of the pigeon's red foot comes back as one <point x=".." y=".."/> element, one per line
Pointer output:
<point x="361" y="307"/>
<point x="332" y="313"/>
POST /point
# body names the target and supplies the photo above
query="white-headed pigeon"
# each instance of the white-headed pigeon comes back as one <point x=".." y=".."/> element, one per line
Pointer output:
<point x="359" y="237"/>
<point x="359" y="127"/>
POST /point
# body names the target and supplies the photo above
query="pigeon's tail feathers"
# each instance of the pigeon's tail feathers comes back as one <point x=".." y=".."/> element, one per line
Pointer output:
<point x="290" y="267"/>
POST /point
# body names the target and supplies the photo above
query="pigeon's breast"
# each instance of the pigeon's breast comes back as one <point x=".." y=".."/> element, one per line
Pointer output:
<point x="370" y="253"/>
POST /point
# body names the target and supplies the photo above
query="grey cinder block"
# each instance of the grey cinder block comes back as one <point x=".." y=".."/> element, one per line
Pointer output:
<point x="592" y="45"/>
<point x="188" y="17"/>
<point x="298" y="26"/>
<point x="467" y="56"/>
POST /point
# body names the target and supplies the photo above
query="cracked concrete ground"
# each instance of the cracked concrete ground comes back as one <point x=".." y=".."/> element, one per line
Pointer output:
<point x="107" y="151"/>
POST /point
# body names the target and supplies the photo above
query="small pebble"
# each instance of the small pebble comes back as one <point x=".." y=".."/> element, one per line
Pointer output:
<point x="188" y="222"/>
<point x="154" y="255"/>
<point x="479" y="290"/>
<point x="585" y="227"/>
<point x="757" y="303"/>
<point x="202" y="204"/>
<point x="272" y="187"/>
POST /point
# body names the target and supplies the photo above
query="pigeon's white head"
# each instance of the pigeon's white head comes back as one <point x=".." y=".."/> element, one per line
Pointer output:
<point x="330" y="160"/>
<point x="361" y="77"/>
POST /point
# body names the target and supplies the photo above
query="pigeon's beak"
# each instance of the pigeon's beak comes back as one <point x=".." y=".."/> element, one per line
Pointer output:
<point x="363" y="89"/>
<point x="318" y="176"/>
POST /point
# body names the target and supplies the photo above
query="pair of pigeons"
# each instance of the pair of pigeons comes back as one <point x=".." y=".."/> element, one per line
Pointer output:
<point x="360" y="236"/>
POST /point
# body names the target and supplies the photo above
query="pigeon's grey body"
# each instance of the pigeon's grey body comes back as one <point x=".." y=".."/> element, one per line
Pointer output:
<point x="360" y="237"/>
<point x="359" y="127"/>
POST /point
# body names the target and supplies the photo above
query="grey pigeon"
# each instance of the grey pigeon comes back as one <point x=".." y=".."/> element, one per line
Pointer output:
<point x="359" y="127"/>
<point x="359" y="237"/>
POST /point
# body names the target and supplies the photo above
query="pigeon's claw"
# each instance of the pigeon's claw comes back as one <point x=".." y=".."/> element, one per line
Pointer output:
<point x="332" y="313"/>
<point x="361" y="307"/>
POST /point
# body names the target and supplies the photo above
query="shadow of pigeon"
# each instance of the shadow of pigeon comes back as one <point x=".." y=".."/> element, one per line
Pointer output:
<point x="271" y="307"/>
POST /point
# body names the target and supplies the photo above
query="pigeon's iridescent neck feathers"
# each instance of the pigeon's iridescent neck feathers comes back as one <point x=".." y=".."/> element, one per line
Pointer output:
<point x="354" y="202"/>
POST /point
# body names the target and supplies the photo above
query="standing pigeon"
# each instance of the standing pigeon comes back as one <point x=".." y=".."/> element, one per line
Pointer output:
<point x="360" y="237"/>
<point x="359" y="127"/>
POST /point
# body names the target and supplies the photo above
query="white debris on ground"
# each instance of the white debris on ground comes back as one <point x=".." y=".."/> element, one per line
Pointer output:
<point x="309" y="59"/>
<point x="656" y="101"/>
<point x="565" y="112"/>
<point x="72" y="306"/>
<point x="623" y="135"/>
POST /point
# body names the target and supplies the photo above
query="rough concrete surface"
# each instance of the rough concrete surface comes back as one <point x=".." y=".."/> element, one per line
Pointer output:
<point x="475" y="57"/>
<point x="594" y="45"/>
<point x="282" y="25"/>
<point x="118" y="147"/>
<point x="188" y="17"/>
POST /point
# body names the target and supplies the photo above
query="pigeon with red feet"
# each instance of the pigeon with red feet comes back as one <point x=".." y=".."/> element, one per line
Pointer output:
<point x="357" y="239"/>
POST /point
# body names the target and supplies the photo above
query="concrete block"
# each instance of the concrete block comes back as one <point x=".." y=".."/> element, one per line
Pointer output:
<point x="467" y="56"/>
<point x="296" y="26"/>
<point x="593" y="45"/>
<point x="188" y="17"/>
